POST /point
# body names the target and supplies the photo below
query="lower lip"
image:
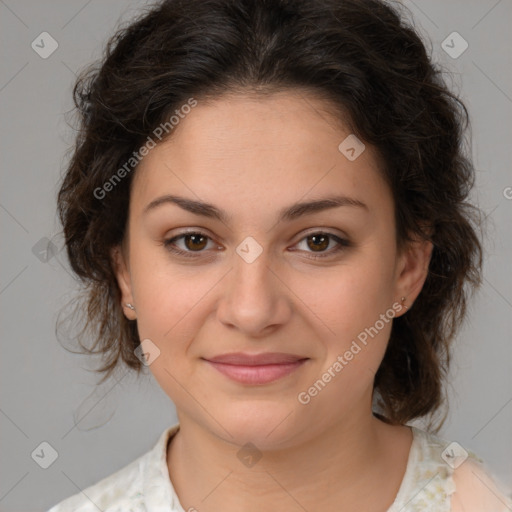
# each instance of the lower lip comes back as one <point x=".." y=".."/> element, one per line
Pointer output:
<point x="262" y="374"/>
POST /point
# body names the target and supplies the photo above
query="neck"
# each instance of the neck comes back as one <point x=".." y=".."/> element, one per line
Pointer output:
<point x="342" y="463"/>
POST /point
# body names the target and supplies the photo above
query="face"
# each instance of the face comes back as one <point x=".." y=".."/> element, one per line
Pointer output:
<point x="319" y="284"/>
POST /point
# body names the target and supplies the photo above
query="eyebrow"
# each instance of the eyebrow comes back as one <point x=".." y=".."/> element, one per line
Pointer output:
<point x="286" y="214"/>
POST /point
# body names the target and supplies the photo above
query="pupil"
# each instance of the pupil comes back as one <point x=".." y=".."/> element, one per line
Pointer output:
<point x="322" y="239"/>
<point x="195" y="239"/>
<point x="318" y="241"/>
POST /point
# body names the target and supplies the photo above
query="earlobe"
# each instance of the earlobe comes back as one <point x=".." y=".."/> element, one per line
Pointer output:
<point x="123" y="280"/>
<point x="414" y="271"/>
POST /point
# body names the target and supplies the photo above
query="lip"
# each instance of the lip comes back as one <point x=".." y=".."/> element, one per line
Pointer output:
<point x="243" y="359"/>
<point x="256" y="369"/>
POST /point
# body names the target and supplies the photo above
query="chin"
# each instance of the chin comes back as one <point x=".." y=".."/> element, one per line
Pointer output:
<point x="267" y="425"/>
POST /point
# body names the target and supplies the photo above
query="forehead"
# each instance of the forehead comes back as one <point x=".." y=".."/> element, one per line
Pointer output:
<point x="259" y="151"/>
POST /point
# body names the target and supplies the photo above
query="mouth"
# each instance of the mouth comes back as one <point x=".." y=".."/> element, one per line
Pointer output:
<point x="256" y="369"/>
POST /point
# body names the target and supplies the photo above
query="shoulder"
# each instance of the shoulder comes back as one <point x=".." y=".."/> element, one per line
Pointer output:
<point x="110" y="494"/>
<point x="476" y="489"/>
<point x="459" y="477"/>
<point x="128" y="488"/>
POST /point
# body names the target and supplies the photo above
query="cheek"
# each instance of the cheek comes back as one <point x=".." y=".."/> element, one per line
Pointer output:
<point x="354" y="315"/>
<point x="169" y="311"/>
<point x="172" y="304"/>
<point x="171" y="316"/>
<point x="348" y="299"/>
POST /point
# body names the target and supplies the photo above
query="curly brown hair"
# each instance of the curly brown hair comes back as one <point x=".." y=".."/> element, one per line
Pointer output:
<point x="363" y="57"/>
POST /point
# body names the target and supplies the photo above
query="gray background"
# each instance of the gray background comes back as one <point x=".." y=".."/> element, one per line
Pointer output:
<point x="49" y="394"/>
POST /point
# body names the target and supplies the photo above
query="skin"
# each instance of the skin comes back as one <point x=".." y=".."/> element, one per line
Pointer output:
<point x="252" y="156"/>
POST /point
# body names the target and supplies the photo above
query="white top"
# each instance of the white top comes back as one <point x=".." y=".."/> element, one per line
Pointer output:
<point x="430" y="483"/>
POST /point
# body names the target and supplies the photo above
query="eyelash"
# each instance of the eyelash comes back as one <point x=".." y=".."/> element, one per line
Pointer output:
<point x="342" y="244"/>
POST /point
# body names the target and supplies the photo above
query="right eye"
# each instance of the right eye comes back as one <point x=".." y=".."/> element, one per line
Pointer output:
<point x="194" y="242"/>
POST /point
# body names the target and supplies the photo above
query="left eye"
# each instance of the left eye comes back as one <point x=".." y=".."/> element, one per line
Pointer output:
<point x="322" y="241"/>
<point x="195" y="242"/>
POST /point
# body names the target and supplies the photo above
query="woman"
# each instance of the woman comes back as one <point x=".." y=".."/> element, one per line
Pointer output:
<point x="267" y="201"/>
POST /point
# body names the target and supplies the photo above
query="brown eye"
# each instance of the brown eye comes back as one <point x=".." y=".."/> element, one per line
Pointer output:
<point x="317" y="245"/>
<point x="188" y="244"/>
<point x="194" y="244"/>
<point x="195" y="241"/>
<point x="318" y="241"/>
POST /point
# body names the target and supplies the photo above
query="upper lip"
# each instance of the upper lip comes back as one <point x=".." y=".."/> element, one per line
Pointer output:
<point x="239" y="358"/>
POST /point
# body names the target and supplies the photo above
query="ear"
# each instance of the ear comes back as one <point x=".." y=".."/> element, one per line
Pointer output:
<point x="412" y="271"/>
<point x="121" y="270"/>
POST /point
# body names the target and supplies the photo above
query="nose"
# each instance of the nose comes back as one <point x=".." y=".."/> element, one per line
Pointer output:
<point x="255" y="300"/>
